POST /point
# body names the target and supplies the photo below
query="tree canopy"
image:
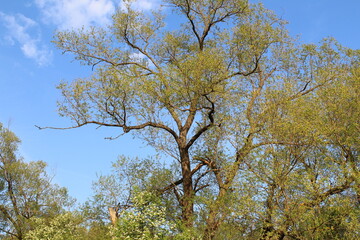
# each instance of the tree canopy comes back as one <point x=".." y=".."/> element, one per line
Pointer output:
<point x="260" y="132"/>
<point x="26" y="191"/>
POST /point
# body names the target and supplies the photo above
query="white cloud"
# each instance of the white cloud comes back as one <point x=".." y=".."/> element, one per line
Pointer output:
<point x="9" y="40"/>
<point x="21" y="30"/>
<point x="145" y="5"/>
<point x="67" y="14"/>
<point x="137" y="56"/>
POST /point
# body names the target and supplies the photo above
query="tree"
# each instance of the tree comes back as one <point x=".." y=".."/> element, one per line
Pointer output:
<point x="137" y="211"/>
<point x="64" y="226"/>
<point x="26" y="191"/>
<point x="213" y="93"/>
<point x="307" y="189"/>
<point x="145" y="219"/>
<point x="172" y="89"/>
<point x="115" y="191"/>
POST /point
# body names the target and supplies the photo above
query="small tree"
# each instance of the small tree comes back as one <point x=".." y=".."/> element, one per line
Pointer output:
<point x="64" y="226"/>
<point x="26" y="191"/>
<point x="144" y="220"/>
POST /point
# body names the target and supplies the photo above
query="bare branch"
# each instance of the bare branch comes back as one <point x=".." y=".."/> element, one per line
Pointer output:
<point x="205" y="128"/>
<point x="170" y="186"/>
<point x="245" y="74"/>
<point x="201" y="187"/>
<point x="178" y="182"/>
<point x="123" y="126"/>
<point x="132" y="45"/>
<point x="197" y="180"/>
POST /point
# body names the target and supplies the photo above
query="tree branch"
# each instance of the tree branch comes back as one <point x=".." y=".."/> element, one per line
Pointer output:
<point x="178" y="182"/>
<point x="335" y="190"/>
<point x="123" y="126"/>
<point x="205" y="128"/>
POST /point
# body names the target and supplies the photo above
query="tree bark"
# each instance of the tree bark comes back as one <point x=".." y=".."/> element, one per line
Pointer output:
<point x="113" y="212"/>
<point x="214" y="221"/>
<point x="187" y="202"/>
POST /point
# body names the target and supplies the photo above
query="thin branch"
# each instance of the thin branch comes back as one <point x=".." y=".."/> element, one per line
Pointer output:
<point x="332" y="191"/>
<point x="170" y="186"/>
<point x="199" y="178"/>
<point x="178" y="182"/>
<point x="201" y="187"/>
<point x="123" y="126"/>
<point x="214" y="168"/>
<point x="193" y="27"/>
<point x="132" y="45"/>
<point x="244" y="74"/>
<point x="205" y="128"/>
<point x="303" y="92"/>
<point x="178" y="197"/>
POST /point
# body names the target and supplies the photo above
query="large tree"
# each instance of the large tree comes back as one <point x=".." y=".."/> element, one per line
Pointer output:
<point x="213" y="92"/>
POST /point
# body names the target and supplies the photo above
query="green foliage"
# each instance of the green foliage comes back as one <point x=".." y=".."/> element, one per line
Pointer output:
<point x="26" y="191"/>
<point x="98" y="231"/>
<point x="145" y="220"/>
<point x="263" y="131"/>
<point x="117" y="189"/>
<point x="64" y="226"/>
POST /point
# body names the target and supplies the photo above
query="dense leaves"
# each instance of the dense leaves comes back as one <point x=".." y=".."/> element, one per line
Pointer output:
<point x="258" y="135"/>
<point x="26" y="191"/>
<point x="262" y="129"/>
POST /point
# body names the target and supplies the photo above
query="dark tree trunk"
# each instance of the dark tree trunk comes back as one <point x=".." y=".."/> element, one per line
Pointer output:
<point x="187" y="202"/>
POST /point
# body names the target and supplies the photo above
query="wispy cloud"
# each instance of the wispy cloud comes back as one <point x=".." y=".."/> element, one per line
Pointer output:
<point x="146" y="4"/>
<point x="68" y="14"/>
<point x="25" y="32"/>
<point x="72" y="14"/>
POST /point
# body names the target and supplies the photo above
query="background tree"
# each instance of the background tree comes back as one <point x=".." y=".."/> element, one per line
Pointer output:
<point x="26" y="191"/>
<point x="145" y="219"/>
<point x="302" y="175"/>
<point x="143" y="208"/>
<point x="64" y="226"/>
<point x="116" y="189"/>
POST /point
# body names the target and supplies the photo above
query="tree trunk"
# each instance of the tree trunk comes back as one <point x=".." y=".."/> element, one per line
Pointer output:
<point x="268" y="228"/>
<point x="214" y="219"/>
<point x="216" y="212"/>
<point x="212" y="224"/>
<point x="187" y="200"/>
<point x="113" y="211"/>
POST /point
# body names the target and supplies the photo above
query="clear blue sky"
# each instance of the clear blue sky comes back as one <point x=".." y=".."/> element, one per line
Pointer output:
<point x="30" y="69"/>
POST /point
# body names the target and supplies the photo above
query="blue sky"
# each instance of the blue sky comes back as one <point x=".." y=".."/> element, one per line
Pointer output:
<point x="30" y="69"/>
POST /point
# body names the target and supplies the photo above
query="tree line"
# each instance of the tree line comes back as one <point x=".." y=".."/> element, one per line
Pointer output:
<point x="258" y="134"/>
